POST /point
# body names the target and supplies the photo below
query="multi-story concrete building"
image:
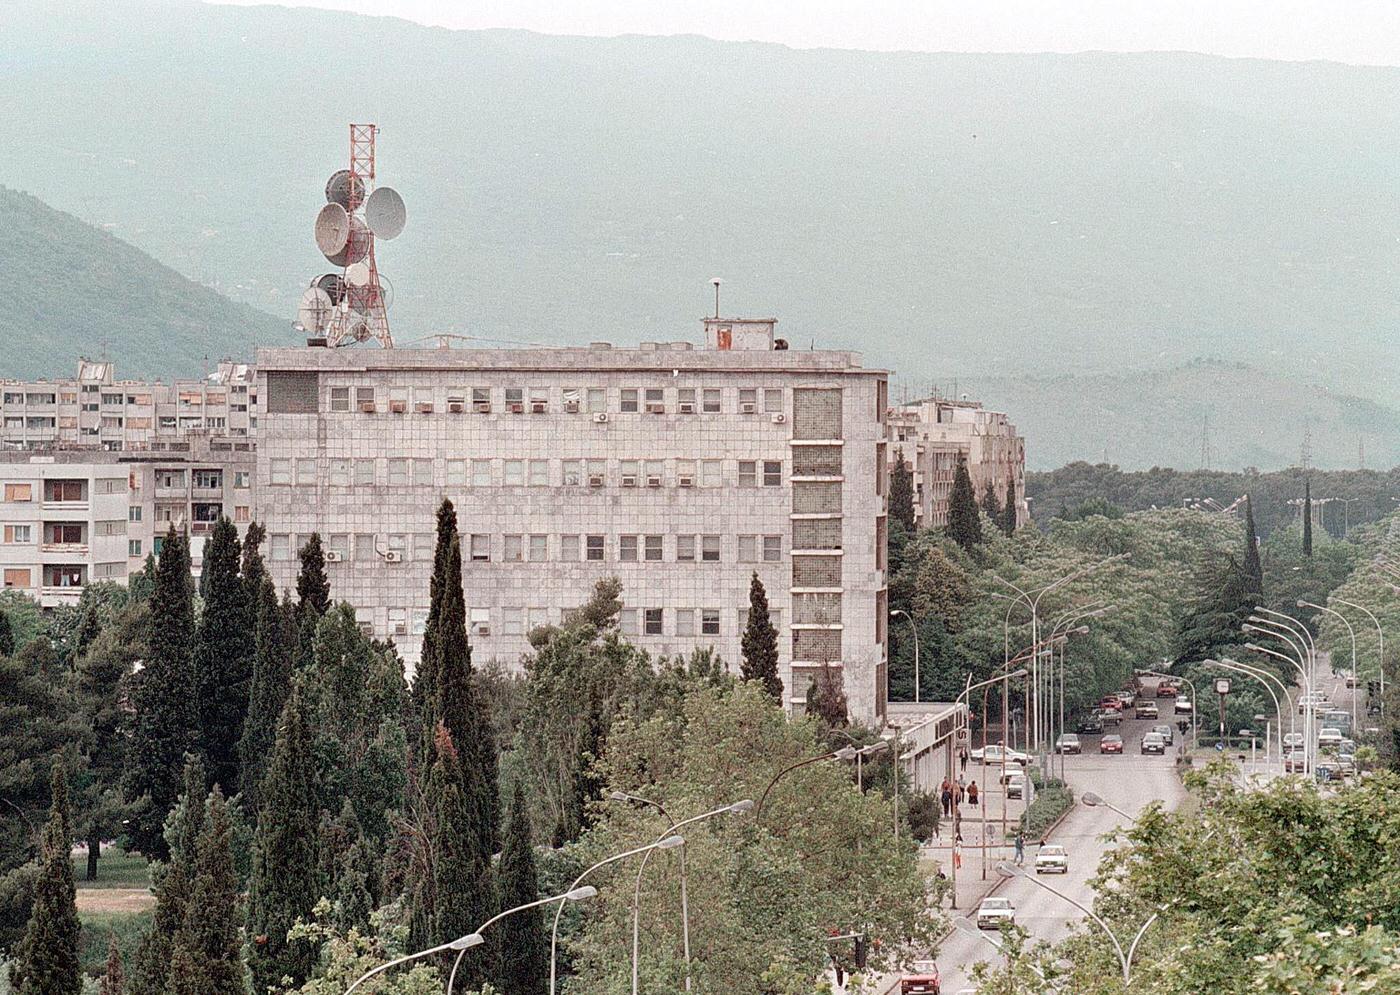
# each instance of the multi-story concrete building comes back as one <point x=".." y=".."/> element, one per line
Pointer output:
<point x="682" y="471"/>
<point x="935" y="434"/>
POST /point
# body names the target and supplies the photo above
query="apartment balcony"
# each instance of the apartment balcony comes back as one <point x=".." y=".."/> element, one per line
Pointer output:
<point x="52" y="597"/>
<point x="67" y="508"/>
<point x="72" y="548"/>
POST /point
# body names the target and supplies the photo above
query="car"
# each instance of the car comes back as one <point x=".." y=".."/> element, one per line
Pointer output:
<point x="1293" y="740"/>
<point x="1353" y="681"/>
<point x="1330" y="736"/>
<point x="1146" y="710"/>
<point x="1167" y="733"/>
<point x="922" y="978"/>
<point x="995" y="753"/>
<point x="1068" y="743"/>
<point x="1127" y="696"/>
<point x="1153" y="743"/>
<point x="1090" y="725"/>
<point x="1166" y="690"/>
<point x="1317" y="701"/>
<point x="1111" y="744"/>
<point x="994" y="911"/>
<point x="1051" y="858"/>
<point x="1110" y="716"/>
<point x="1182" y="706"/>
<point x="1111" y="702"/>
<point x="1337" y="719"/>
<point x="1295" y="762"/>
<point x="1347" y="761"/>
<point x="1015" y="785"/>
<point x="1327" y="770"/>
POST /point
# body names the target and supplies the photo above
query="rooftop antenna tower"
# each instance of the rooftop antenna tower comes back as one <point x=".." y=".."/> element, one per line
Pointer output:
<point x="352" y="305"/>
<point x="1305" y="455"/>
<point x="716" y="281"/>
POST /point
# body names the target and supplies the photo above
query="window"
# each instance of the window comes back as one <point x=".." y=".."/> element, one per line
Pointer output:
<point x="628" y="471"/>
<point x="627" y="549"/>
<point x="629" y="399"/>
<point x="597" y="400"/>
<point x="748" y="473"/>
<point x="593" y="547"/>
<point x="710" y="473"/>
<point x="685" y="621"/>
<point x="627" y="618"/>
<point x="685" y="473"/>
<point x="340" y="398"/>
<point x="773" y="400"/>
<point x="685" y="400"/>
<point x="339" y="472"/>
<point x="209" y="480"/>
<point x="481" y="473"/>
<point x="513" y="549"/>
<point x="281" y="472"/>
<point x="653" y="549"/>
<point x="539" y="548"/>
<point x="515" y="399"/>
<point x="597" y="472"/>
<point x="710" y="400"/>
<point x="117" y="528"/>
<point x="535" y="618"/>
<point x="685" y="549"/>
<point x="709" y="549"/>
<point x="772" y="473"/>
<point x="133" y="514"/>
<point x="17" y="577"/>
<point x="512" y="621"/>
<point x="709" y="621"/>
<point x="481" y="621"/>
<point x="656" y="400"/>
<point x="652" y="622"/>
<point x="539" y="473"/>
<point x="656" y="472"/>
<point x="338" y="543"/>
<point x="748" y="401"/>
<point x="133" y="547"/>
<point x="398" y="399"/>
<point x="573" y="472"/>
<point x="242" y="513"/>
<point x="364" y="398"/>
<point x="398" y="473"/>
<point x="306" y="471"/>
<point x="515" y="472"/>
<point x="456" y="473"/>
<point x="480" y="547"/>
<point x="18" y="534"/>
<point x="456" y="399"/>
<point x="364" y="473"/>
<point x="747" y="547"/>
<point x="573" y="397"/>
<point x="364" y="547"/>
<point x="65" y="534"/>
<point x="398" y="621"/>
<point x="417" y="621"/>
<point x="280" y="544"/>
<point x="481" y="398"/>
<point x="772" y="549"/>
<point x="423" y="473"/>
<point x="568" y="548"/>
<point x="424" y="545"/>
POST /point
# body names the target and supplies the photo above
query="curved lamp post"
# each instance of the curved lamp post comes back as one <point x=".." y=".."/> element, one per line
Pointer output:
<point x="1307" y="685"/>
<point x="1350" y="632"/>
<point x="1009" y="870"/>
<point x="965" y="925"/>
<point x="1095" y="801"/>
<point x="845" y="753"/>
<point x="1263" y="677"/>
<point x="915" y="629"/>
<point x="1380" y="634"/>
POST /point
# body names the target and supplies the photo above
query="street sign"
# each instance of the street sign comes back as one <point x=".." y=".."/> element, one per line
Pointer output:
<point x="1222" y="685"/>
<point x="962" y="735"/>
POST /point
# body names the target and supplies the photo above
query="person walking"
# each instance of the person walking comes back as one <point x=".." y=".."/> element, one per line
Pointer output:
<point x="946" y="797"/>
<point x="1020" y="847"/>
<point x="972" y="794"/>
<point x="962" y="758"/>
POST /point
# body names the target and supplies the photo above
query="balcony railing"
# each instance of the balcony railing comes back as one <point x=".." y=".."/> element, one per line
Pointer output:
<point x="78" y="548"/>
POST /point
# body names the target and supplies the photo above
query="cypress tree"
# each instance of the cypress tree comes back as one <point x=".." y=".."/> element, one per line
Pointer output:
<point x="760" y="643"/>
<point x="425" y="684"/>
<point x="223" y="655"/>
<point x="284" y="886"/>
<point x="208" y="939"/>
<point x="166" y="720"/>
<point x="991" y="507"/>
<point x="46" y="962"/>
<point x="313" y="589"/>
<point x="174" y="882"/>
<point x="1307" y="518"/>
<point x="902" y="492"/>
<point x="1008" y="511"/>
<point x="252" y="568"/>
<point x="272" y="678"/>
<point x="525" y="959"/>
<point x="7" y="635"/>
<point x="1253" y="569"/>
<point x="462" y="880"/>
<point x="113" y="979"/>
<point x="964" y="521"/>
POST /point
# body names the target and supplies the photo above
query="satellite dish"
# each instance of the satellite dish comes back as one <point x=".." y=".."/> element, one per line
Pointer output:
<point x="346" y="189"/>
<point x="356" y="245"/>
<point x="314" y="311"/>
<point x="357" y="274"/>
<point x="384" y="212"/>
<point x="333" y="284"/>
<point x="332" y="229"/>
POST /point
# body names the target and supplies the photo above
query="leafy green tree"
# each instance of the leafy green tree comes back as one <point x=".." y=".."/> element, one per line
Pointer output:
<point x="7" y="635"/>
<point x="166" y="721"/>
<point x="46" y="962"/>
<point x="284" y="883"/>
<point x="1008" y="512"/>
<point x="525" y="959"/>
<point x="313" y="589"/>
<point x="964" y="518"/>
<point x="349" y="952"/>
<point x="1307" y="518"/>
<point x="760" y="643"/>
<point x="224" y="649"/>
<point x="25" y="617"/>
<point x="208" y="939"/>
<point x="902" y="492"/>
<point x="826" y="698"/>
<point x="350" y="869"/>
<point x="991" y="507"/>
<point x="271" y="683"/>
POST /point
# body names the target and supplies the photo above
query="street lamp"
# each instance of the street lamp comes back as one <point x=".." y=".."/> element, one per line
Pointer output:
<point x="668" y="843"/>
<point x="915" y="628"/>
<point x="1005" y="680"/>
<point x="1380" y="634"/>
<point x="1350" y="632"/>
<point x="1009" y="870"/>
<point x="1307" y="687"/>
<point x="1094" y="801"/>
<point x="1263" y="677"/>
<point x="845" y="753"/>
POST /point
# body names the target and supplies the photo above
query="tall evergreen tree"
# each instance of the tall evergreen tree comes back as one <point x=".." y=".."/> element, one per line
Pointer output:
<point x="252" y="569"/>
<point x="1008" y="511"/>
<point x="964" y="521"/>
<point x="463" y="884"/>
<point x="1253" y="568"/>
<point x="991" y="507"/>
<point x="272" y="678"/>
<point x="114" y="977"/>
<point x="525" y="959"/>
<point x="1307" y="518"/>
<point x="208" y="938"/>
<point x="760" y="643"/>
<point x="313" y="589"/>
<point x="7" y="635"/>
<point x="223" y="655"/>
<point x="166" y="721"/>
<point x="46" y="962"/>
<point x="173" y="886"/>
<point x="902" y="492"/>
<point x="425" y="683"/>
<point x="284" y="883"/>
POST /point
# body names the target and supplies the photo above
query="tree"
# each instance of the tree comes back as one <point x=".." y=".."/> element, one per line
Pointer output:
<point x="760" y="643"/>
<point x="1008" y="511"/>
<point x="1307" y="518"/>
<point x="252" y="568"/>
<point x="525" y="959"/>
<point x="223" y="655"/>
<point x="7" y="634"/>
<point x="425" y="684"/>
<point x="902" y="492"/>
<point x="46" y="962"/>
<point x="964" y="520"/>
<point x="113" y="978"/>
<point x="313" y="589"/>
<point x="284" y="886"/>
<point x="272" y="679"/>
<point x="826" y="699"/>
<point x="173" y="885"/>
<point x="208" y="940"/>
<point x="1253" y="568"/>
<point x="991" y="507"/>
<point x="166" y="721"/>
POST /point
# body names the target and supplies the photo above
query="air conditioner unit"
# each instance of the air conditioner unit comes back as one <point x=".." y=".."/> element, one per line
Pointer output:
<point x="656" y="409"/>
<point x="482" y="630"/>
<point x="653" y="481"/>
<point x="517" y="409"/>
<point x="333" y="557"/>
<point x="398" y="407"/>
<point x="425" y="407"/>
<point x="366" y="407"/>
<point x="601" y="417"/>
<point x="595" y="480"/>
<point x="393" y="556"/>
<point x="746" y="409"/>
<point x="400" y="628"/>
<point x="686" y="408"/>
<point x="482" y="407"/>
<point x="779" y="419"/>
<point x="571" y="407"/>
<point x="685" y="480"/>
<point x="629" y="480"/>
<point x="538" y="408"/>
<point x="455" y="407"/>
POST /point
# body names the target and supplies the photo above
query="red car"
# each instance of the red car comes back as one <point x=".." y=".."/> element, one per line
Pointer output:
<point x="922" y="979"/>
<point x="1112" y="701"/>
<point x="1165" y="690"/>
<point x="1111" y="744"/>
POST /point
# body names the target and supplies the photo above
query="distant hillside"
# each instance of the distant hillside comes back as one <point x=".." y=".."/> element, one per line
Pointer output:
<point x="70" y="289"/>
<point x="1145" y="418"/>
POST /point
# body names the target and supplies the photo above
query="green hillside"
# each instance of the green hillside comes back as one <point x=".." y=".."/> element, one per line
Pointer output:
<point x="73" y="290"/>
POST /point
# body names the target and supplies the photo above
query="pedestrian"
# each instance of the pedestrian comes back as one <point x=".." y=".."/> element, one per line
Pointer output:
<point x="962" y="782"/>
<point x="958" y="795"/>
<point x="957" y="853"/>
<point x="1020" y="847"/>
<point x="972" y="793"/>
<point x="962" y="758"/>
<point x="947" y="799"/>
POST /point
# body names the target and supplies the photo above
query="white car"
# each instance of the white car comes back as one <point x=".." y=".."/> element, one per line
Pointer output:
<point x="994" y="752"/>
<point x="1051" y="859"/>
<point x="995" y="911"/>
<point x="1183" y="705"/>
<point x="1330" y="737"/>
<point x="1293" y="740"/>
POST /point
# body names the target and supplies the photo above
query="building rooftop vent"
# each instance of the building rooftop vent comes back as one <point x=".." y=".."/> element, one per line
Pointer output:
<point x="681" y="346"/>
<point x="600" y="345"/>
<point x="649" y="346"/>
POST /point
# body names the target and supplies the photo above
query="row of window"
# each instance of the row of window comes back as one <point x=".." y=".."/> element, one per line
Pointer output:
<point x="63" y="490"/>
<point x="518" y="621"/>
<point x="570" y="400"/>
<point x="405" y="472"/>
<point x="483" y="547"/>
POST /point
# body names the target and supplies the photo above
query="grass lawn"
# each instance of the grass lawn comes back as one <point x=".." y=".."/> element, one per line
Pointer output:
<point x="129" y="927"/>
<point x="115" y="869"/>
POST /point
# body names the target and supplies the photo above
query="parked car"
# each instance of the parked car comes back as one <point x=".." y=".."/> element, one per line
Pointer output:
<point x="1112" y="743"/>
<point x="922" y="978"/>
<point x="1146" y="710"/>
<point x="1167" y="733"/>
<point x="1067" y="743"/>
<point x="1166" y="690"/>
<point x="994" y="753"/>
<point x="1183" y="705"/>
<point x="1015" y="785"/>
<point x="1153" y="743"/>
<point x="1090" y="725"/>
<point x="994" y="911"/>
<point x="1051" y="858"/>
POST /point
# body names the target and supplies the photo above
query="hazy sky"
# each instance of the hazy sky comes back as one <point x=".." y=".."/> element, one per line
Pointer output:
<point x="1356" y="31"/>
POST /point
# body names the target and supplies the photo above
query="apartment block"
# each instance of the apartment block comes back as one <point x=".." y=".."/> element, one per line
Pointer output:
<point x="681" y="470"/>
<point x="933" y="435"/>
